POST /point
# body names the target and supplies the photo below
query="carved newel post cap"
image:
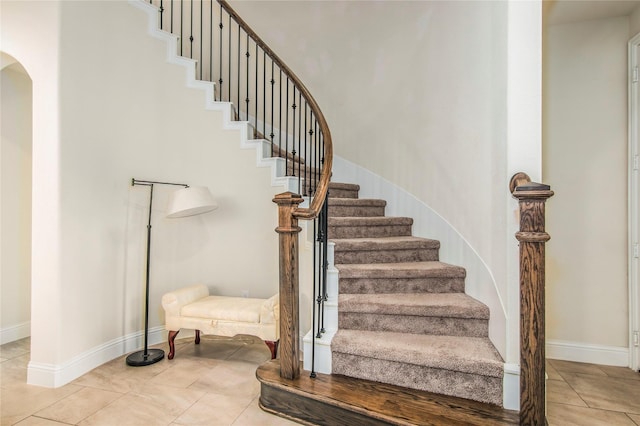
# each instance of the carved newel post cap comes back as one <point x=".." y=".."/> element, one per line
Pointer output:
<point x="522" y="188"/>
<point x="288" y="198"/>
<point x="518" y="179"/>
<point x="532" y="186"/>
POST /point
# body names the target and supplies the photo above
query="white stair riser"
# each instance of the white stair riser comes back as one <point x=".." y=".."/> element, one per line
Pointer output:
<point x="322" y="355"/>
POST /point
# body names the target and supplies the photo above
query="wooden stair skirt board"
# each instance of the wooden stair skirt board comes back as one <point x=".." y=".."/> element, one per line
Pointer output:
<point x="340" y="400"/>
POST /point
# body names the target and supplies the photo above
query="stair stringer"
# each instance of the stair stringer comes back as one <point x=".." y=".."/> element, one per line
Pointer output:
<point x="244" y="128"/>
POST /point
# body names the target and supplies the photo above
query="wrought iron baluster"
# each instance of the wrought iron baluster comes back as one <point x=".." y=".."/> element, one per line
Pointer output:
<point x="300" y="159"/>
<point x="238" y="98"/>
<point x="280" y="116"/>
<point x="325" y="264"/>
<point x="264" y="94"/>
<point x="247" y="78"/>
<point x="229" y="79"/>
<point x="256" y="97"/>
<point x="181" y="21"/>
<point x="313" y="306"/>
<point x="293" y="136"/>
<point x="286" y="133"/>
<point x="201" y="58"/>
<point x="161" y="10"/>
<point x="320" y="242"/>
<point x="272" y="111"/>
<point x="211" y="77"/>
<point x="191" y="32"/>
<point x="220" y="81"/>
<point x="307" y="161"/>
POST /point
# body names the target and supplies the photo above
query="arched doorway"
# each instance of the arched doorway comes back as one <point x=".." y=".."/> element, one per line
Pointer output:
<point x="15" y="199"/>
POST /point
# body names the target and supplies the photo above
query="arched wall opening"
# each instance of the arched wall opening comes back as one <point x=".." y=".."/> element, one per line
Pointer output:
<point x="16" y="147"/>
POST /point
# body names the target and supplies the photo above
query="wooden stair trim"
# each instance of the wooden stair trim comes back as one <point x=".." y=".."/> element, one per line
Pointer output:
<point x="357" y="402"/>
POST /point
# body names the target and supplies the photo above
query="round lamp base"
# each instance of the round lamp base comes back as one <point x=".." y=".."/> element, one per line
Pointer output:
<point x="139" y="359"/>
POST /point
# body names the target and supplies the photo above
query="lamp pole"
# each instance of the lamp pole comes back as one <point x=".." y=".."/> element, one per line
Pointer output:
<point x="148" y="356"/>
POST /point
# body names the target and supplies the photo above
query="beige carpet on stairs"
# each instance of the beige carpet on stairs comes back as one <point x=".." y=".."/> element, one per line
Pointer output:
<point x="403" y="316"/>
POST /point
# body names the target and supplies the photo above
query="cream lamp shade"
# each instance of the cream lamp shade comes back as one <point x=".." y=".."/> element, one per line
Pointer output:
<point x="190" y="201"/>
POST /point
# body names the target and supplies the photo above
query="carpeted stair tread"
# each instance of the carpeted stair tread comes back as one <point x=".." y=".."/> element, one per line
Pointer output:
<point x="385" y="243"/>
<point x="385" y="250"/>
<point x="472" y="355"/>
<point x="429" y="269"/>
<point x="356" y="202"/>
<point x="343" y="190"/>
<point x="445" y="305"/>
<point x="367" y="227"/>
<point x="370" y="221"/>
<point x="401" y="277"/>
<point x="356" y="207"/>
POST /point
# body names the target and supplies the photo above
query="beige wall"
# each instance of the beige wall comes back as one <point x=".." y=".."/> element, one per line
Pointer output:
<point x="28" y="33"/>
<point x="634" y="22"/>
<point x="15" y="169"/>
<point x="114" y="122"/>
<point x="427" y="115"/>
<point x="585" y="153"/>
<point x="144" y="128"/>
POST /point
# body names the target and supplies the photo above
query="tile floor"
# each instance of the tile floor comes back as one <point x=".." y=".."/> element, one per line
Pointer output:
<point x="215" y="384"/>
<point x="588" y="394"/>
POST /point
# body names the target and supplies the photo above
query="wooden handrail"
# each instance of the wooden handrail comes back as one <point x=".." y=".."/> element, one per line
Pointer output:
<point x="288" y="214"/>
<point x="313" y="210"/>
<point x="532" y="237"/>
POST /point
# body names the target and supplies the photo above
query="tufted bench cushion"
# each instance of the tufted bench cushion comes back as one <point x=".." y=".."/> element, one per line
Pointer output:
<point x="225" y="308"/>
<point x="193" y="308"/>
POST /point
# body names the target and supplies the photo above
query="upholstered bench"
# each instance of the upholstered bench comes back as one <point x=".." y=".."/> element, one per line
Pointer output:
<point x="193" y="308"/>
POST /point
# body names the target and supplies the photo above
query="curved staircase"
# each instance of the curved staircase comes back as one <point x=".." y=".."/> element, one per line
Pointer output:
<point x="411" y="346"/>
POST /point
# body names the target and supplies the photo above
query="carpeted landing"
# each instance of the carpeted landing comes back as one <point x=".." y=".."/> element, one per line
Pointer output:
<point x="403" y="316"/>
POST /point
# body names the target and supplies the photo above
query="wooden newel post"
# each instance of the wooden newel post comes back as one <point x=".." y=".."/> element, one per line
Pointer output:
<point x="532" y="237"/>
<point x="288" y="230"/>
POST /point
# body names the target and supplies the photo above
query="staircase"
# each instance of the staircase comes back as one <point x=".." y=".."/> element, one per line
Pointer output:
<point x="403" y="316"/>
<point x="410" y="347"/>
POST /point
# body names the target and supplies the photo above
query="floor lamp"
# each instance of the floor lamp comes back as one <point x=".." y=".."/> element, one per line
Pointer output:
<point x="187" y="201"/>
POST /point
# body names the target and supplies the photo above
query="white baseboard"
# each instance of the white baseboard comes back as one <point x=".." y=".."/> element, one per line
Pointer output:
<point x="53" y="376"/>
<point x="15" y="332"/>
<point x="566" y="351"/>
<point x="583" y="352"/>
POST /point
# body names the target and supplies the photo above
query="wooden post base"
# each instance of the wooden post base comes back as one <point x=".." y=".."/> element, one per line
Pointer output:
<point x="172" y="344"/>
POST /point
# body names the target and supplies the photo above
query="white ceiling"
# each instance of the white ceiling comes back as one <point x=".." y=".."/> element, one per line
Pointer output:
<point x="565" y="11"/>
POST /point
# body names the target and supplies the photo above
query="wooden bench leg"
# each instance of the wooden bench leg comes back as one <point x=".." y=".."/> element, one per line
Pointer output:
<point x="172" y="338"/>
<point x="273" y="347"/>
<point x="172" y="346"/>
